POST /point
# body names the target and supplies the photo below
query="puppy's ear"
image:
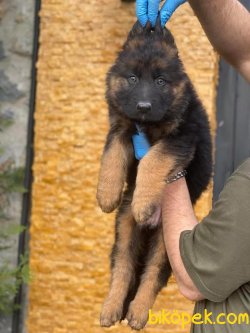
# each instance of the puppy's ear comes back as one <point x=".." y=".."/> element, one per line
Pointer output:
<point x="147" y="29"/>
<point x="136" y="30"/>
<point x="168" y="37"/>
<point x="158" y="29"/>
<point x="139" y="30"/>
<point x="164" y="32"/>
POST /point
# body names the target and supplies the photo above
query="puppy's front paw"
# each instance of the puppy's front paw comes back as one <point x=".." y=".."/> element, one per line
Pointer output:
<point x="143" y="210"/>
<point x="146" y="209"/>
<point x="108" y="197"/>
<point x="137" y="315"/>
<point x="155" y="219"/>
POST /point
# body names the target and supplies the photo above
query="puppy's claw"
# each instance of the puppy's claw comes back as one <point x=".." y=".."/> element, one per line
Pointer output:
<point x="106" y="322"/>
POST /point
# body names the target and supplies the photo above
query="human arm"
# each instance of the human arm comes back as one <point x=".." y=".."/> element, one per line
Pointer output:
<point x="178" y="215"/>
<point x="213" y="252"/>
<point x="227" y="25"/>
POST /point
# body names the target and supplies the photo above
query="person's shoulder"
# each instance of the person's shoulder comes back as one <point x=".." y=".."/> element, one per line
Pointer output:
<point x="238" y="184"/>
<point x="243" y="169"/>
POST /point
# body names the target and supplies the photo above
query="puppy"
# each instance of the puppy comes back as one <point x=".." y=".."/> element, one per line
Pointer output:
<point x="147" y="87"/>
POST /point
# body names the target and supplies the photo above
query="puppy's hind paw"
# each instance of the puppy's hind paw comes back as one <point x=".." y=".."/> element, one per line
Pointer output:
<point x="137" y="316"/>
<point x="110" y="315"/>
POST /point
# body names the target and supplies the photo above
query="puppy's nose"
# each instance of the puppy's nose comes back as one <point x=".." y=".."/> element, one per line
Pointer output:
<point x="144" y="107"/>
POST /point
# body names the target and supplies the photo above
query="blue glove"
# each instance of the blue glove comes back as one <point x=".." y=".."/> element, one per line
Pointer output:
<point x="147" y="10"/>
<point x="168" y="9"/>
<point x="141" y="145"/>
<point x="142" y="11"/>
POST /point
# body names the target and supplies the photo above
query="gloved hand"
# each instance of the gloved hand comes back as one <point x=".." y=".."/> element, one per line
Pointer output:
<point x="147" y="10"/>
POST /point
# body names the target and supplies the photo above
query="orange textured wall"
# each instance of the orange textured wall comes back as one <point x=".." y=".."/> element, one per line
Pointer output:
<point x="70" y="236"/>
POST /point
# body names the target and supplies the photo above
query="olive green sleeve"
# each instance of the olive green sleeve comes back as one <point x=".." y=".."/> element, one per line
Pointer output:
<point x="216" y="253"/>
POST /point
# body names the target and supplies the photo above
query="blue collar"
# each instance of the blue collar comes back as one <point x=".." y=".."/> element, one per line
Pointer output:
<point x="140" y="143"/>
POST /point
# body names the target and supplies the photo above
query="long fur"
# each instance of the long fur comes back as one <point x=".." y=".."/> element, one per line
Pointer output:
<point x="147" y="70"/>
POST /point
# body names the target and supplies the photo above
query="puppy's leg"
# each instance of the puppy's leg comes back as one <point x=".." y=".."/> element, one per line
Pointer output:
<point x="117" y="156"/>
<point x="165" y="158"/>
<point x="152" y="172"/>
<point x="155" y="276"/>
<point x="122" y="270"/>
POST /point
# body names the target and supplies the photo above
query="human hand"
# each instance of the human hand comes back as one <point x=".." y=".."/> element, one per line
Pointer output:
<point x="147" y="10"/>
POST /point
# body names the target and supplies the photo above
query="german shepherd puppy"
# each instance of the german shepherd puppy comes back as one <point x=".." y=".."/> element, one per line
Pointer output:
<point x="147" y="86"/>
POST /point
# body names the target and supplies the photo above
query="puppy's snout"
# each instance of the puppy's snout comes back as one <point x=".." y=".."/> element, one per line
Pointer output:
<point x="144" y="107"/>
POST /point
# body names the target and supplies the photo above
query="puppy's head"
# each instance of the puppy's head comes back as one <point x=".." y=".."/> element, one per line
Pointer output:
<point x="147" y="82"/>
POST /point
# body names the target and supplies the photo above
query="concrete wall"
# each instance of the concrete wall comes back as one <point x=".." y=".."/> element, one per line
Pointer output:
<point x="70" y="236"/>
<point x="16" y="43"/>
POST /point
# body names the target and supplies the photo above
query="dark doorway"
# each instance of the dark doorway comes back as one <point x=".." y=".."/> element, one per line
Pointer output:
<point x="233" y="121"/>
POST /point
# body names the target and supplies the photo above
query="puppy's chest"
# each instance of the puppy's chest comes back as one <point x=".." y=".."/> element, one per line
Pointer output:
<point x="156" y="133"/>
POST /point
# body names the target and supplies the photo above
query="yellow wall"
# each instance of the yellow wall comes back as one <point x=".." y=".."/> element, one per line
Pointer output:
<point x="70" y="236"/>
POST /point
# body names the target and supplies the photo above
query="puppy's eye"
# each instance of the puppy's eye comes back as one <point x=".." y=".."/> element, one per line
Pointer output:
<point x="160" y="81"/>
<point x="132" y="79"/>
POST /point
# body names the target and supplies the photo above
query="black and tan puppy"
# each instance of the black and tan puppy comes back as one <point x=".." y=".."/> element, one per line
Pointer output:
<point x="147" y="86"/>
